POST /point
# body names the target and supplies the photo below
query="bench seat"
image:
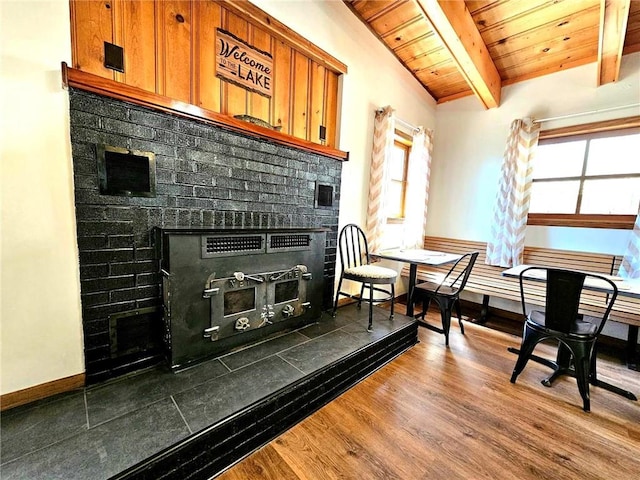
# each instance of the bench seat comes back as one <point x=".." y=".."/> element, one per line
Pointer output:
<point x="487" y="280"/>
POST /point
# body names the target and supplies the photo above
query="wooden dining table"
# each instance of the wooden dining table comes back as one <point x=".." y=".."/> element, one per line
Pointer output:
<point x="627" y="287"/>
<point x="415" y="257"/>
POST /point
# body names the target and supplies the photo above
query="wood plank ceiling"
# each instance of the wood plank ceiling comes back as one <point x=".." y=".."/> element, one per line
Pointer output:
<point x="460" y="48"/>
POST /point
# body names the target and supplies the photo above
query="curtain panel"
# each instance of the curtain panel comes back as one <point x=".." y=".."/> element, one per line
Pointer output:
<point x="418" y="175"/>
<point x="630" y="267"/>
<point x="383" y="138"/>
<point x="506" y="245"/>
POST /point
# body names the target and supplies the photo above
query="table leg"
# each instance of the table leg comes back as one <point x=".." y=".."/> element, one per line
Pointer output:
<point x="413" y="271"/>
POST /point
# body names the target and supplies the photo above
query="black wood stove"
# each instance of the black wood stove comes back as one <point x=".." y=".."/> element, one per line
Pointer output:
<point x="226" y="288"/>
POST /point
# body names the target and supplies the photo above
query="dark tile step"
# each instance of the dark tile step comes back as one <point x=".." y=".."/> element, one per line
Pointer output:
<point x="215" y="448"/>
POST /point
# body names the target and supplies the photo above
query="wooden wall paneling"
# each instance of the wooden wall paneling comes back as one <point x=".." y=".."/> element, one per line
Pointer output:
<point x="300" y="104"/>
<point x="281" y="100"/>
<point x="174" y="49"/>
<point x="91" y="26"/>
<point x="316" y="101"/>
<point x="135" y="32"/>
<point x="259" y="105"/>
<point x="236" y="97"/>
<point x="207" y="17"/>
<point x="331" y="107"/>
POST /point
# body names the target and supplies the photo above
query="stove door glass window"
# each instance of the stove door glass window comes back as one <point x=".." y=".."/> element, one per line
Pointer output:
<point x="286" y="291"/>
<point x="236" y="301"/>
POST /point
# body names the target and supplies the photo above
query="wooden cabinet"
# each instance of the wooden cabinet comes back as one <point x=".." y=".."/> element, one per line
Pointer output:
<point x="170" y="48"/>
<point x="91" y="26"/>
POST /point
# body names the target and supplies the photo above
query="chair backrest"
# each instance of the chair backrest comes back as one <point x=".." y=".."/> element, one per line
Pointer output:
<point x="458" y="275"/>
<point x="353" y="246"/>
<point x="563" y="294"/>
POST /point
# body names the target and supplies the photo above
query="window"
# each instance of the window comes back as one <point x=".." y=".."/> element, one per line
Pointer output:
<point x="590" y="179"/>
<point x="397" y="188"/>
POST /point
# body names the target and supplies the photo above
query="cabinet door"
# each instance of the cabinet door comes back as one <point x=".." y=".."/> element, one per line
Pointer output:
<point x="207" y="87"/>
<point x="174" y="49"/>
<point x="316" y="112"/>
<point x="331" y="108"/>
<point x="135" y="32"/>
<point x="236" y="97"/>
<point x="281" y="100"/>
<point x="300" y="95"/>
<point x="259" y="105"/>
<point x="91" y="26"/>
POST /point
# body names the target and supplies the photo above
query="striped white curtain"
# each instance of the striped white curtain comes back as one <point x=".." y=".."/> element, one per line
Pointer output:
<point x="506" y="246"/>
<point x="418" y="175"/>
<point x="630" y="267"/>
<point x="383" y="137"/>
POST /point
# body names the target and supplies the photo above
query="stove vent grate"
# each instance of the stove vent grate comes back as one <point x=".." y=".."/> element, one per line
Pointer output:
<point x="288" y="242"/>
<point x="221" y="246"/>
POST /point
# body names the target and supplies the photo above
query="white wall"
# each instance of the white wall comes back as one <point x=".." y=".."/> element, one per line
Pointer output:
<point x="39" y="286"/>
<point x="470" y="141"/>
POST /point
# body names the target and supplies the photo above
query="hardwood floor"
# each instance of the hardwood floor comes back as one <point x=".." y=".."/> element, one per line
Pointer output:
<point x="438" y="413"/>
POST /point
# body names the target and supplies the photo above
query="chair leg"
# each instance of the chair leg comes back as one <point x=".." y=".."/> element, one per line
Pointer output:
<point x="581" y="366"/>
<point x="393" y="296"/>
<point x="335" y="304"/>
<point x="529" y="342"/>
<point x="445" y="313"/>
<point x="459" y="313"/>
<point x="426" y="303"/>
<point x="370" y="327"/>
<point x="361" y="294"/>
<point x="593" y="374"/>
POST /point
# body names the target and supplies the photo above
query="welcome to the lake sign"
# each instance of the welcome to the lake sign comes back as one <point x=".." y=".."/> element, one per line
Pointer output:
<point x="242" y="64"/>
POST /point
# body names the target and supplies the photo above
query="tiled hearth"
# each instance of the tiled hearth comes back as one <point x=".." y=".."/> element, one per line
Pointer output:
<point x="108" y="428"/>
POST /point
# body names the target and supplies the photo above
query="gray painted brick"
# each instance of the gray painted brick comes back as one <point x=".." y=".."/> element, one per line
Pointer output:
<point x="92" y="257"/>
<point x="130" y="268"/>
<point x="193" y="178"/>
<point x="151" y="119"/>
<point x="150" y="146"/>
<point x="84" y="119"/>
<point x="93" y="271"/>
<point x="95" y="313"/>
<point x="121" y="241"/>
<point x="127" y="128"/>
<point x="106" y="284"/>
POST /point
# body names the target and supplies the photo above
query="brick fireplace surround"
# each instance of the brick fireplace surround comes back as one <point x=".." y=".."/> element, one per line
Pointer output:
<point x="206" y="177"/>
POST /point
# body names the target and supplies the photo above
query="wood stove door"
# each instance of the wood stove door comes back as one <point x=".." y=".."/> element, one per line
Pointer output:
<point x="236" y="304"/>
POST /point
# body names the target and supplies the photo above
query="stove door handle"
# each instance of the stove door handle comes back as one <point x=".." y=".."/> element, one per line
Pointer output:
<point x="210" y="292"/>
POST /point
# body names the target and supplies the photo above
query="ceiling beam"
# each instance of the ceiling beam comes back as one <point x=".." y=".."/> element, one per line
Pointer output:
<point x="614" y="15"/>
<point x="455" y="27"/>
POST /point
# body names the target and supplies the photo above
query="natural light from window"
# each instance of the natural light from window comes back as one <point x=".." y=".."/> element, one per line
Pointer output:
<point x="593" y="175"/>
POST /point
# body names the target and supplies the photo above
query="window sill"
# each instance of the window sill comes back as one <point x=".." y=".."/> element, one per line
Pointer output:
<point x="625" y="222"/>
<point x="395" y="221"/>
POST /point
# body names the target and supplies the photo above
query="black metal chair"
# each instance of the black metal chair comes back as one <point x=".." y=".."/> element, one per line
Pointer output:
<point x="356" y="266"/>
<point x="575" y="333"/>
<point x="446" y="293"/>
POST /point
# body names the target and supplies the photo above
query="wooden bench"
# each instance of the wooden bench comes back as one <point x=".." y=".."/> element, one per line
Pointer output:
<point x="488" y="281"/>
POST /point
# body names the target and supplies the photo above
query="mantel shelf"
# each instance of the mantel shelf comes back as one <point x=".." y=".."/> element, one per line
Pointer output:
<point x="75" y="78"/>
